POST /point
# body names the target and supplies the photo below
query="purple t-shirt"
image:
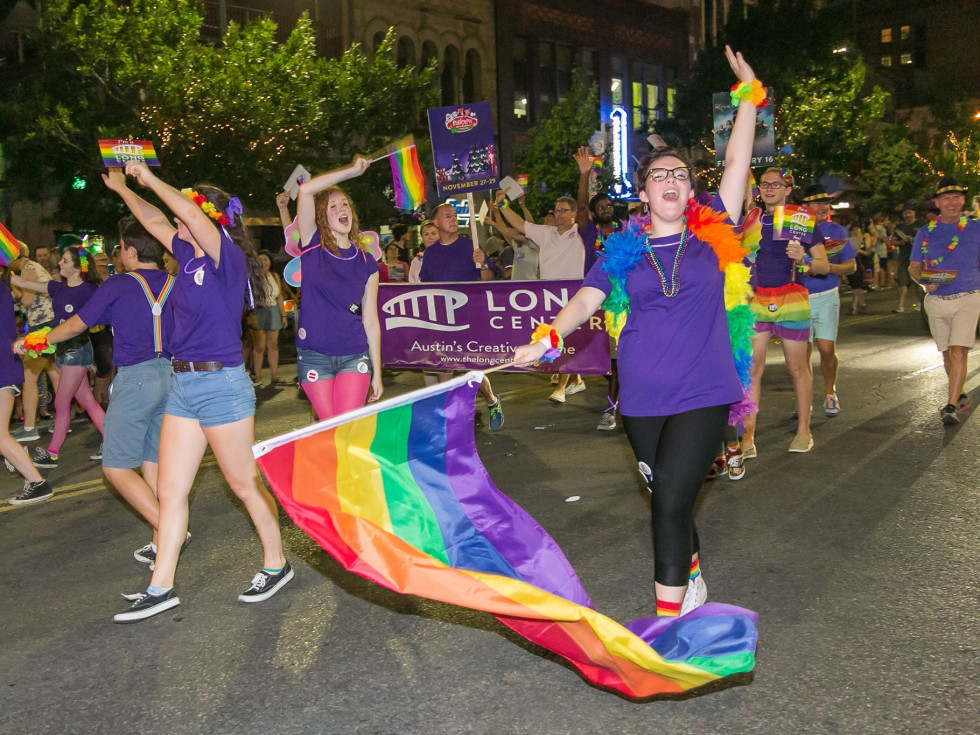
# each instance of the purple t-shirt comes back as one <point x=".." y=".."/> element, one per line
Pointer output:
<point x="452" y="262"/>
<point x="593" y="242"/>
<point x="11" y="368"/>
<point x="333" y="287"/>
<point x="772" y="266"/>
<point x="821" y="233"/>
<point x="674" y="353"/>
<point x="67" y="300"/>
<point x="208" y="304"/>
<point x="121" y="303"/>
<point x="964" y="259"/>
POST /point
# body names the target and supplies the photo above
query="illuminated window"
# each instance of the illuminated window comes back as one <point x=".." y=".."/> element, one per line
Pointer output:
<point x="906" y="33"/>
<point x="886" y="35"/>
<point x="671" y="100"/>
<point x="906" y="59"/>
<point x="886" y="60"/>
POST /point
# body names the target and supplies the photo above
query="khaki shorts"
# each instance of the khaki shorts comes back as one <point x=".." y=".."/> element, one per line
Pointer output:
<point x="953" y="320"/>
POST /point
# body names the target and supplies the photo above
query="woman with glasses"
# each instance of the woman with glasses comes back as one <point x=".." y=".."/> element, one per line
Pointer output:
<point x="781" y="306"/>
<point x="663" y="282"/>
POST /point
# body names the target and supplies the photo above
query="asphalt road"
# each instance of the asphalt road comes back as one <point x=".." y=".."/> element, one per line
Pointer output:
<point x="860" y="558"/>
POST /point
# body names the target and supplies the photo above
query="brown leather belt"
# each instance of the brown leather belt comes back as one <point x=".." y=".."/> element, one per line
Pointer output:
<point x="182" y="366"/>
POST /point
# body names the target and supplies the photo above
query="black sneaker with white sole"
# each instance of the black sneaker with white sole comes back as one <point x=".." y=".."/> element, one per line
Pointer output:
<point x="947" y="414"/>
<point x="97" y="456"/>
<point x="146" y="606"/>
<point x="148" y="554"/>
<point x="265" y="585"/>
<point x="33" y="492"/>
<point x="43" y="458"/>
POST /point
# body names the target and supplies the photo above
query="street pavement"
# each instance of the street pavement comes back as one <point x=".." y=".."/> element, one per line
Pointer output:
<point x="860" y="558"/>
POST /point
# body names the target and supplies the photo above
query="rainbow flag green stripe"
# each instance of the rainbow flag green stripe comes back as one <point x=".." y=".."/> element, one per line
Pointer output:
<point x="396" y="492"/>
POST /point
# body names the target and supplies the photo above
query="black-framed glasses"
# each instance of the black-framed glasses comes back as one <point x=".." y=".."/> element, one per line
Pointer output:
<point x="681" y="173"/>
<point x="771" y="185"/>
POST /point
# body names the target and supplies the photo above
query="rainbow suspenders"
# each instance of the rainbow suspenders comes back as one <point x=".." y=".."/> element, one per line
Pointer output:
<point x="156" y="307"/>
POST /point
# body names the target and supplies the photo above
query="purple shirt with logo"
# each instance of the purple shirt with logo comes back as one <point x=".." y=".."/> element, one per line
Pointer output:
<point x="821" y="233"/>
<point x="208" y="304"/>
<point x="964" y="258"/>
<point x="333" y="287"/>
<point x="11" y="368"/>
<point x="121" y="303"/>
<point x="452" y="262"/>
<point x="674" y="353"/>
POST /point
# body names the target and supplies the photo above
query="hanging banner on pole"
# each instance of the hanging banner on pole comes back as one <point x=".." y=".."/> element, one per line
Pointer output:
<point x="723" y="119"/>
<point x="463" y="151"/>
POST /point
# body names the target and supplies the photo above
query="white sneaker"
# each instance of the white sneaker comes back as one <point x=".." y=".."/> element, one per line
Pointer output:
<point x="574" y="388"/>
<point x="696" y="595"/>
<point x="557" y="396"/>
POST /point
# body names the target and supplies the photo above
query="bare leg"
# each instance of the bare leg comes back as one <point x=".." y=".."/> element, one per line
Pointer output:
<point x="955" y="361"/>
<point x="10" y="448"/>
<point x="795" y="354"/>
<point x="272" y="351"/>
<point x="258" y="352"/>
<point x="137" y="492"/>
<point x="828" y="364"/>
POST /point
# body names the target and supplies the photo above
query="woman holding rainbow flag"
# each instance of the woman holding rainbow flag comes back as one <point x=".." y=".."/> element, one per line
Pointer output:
<point x="338" y="338"/>
<point x="666" y="283"/>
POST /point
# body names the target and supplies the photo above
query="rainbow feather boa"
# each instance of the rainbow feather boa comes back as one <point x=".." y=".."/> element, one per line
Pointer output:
<point x="625" y="249"/>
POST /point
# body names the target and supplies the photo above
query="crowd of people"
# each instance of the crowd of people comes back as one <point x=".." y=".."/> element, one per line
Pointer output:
<point x="694" y="286"/>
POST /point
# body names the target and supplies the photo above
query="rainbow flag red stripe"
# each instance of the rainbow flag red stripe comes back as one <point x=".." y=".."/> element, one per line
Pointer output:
<point x="406" y="174"/>
<point x="396" y="492"/>
<point x="9" y="247"/>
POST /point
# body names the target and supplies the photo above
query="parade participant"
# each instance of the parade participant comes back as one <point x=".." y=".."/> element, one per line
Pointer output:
<point x="525" y="253"/>
<point x="338" y="339"/>
<point x="73" y="357"/>
<point x="562" y="256"/>
<point x="393" y="270"/>
<point x="905" y="232"/>
<point x="824" y="293"/>
<point x="136" y="305"/>
<point x="453" y="258"/>
<point x="38" y="313"/>
<point x="270" y="317"/>
<point x="211" y="402"/>
<point x="944" y="262"/>
<point x="429" y="234"/>
<point x="781" y="307"/>
<point x="667" y="277"/>
<point x="35" y="488"/>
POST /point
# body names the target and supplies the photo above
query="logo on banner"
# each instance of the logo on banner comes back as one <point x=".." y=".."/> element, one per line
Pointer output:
<point x="429" y="308"/>
<point x="461" y="121"/>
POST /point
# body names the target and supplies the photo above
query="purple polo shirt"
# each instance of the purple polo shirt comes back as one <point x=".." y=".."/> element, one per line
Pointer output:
<point x="821" y="233"/>
<point x="964" y="259"/>
<point x="674" y="354"/>
<point x="330" y="319"/>
<point x="121" y="303"/>
<point x="452" y="262"/>
<point x="11" y="368"/>
<point x="208" y="304"/>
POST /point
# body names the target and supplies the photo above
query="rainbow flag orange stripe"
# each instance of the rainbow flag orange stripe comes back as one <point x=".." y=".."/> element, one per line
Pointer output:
<point x="406" y="174"/>
<point x="396" y="493"/>
<point x="9" y="247"/>
<point x="115" y="153"/>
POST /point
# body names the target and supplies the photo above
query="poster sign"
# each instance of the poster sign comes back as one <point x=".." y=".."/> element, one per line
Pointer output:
<point x="299" y="176"/>
<point x="467" y="326"/>
<point x="723" y="119"/>
<point x="463" y="151"/>
<point x="115" y="153"/>
<point x="791" y="222"/>
<point x="937" y="276"/>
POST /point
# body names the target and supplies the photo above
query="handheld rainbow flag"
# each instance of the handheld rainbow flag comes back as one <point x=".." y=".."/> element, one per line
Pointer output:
<point x="115" y="153"/>
<point x="396" y="492"/>
<point x="791" y="222"/>
<point x="9" y="247"/>
<point x="751" y="227"/>
<point x="406" y="173"/>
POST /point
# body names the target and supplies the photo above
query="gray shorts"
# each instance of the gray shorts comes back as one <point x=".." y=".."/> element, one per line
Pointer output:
<point x="268" y="319"/>
<point x="138" y="397"/>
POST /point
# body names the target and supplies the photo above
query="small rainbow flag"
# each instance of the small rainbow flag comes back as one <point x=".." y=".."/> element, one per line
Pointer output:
<point x="396" y="492"/>
<point x="751" y="228"/>
<point x="406" y="174"/>
<point x="791" y="222"/>
<point x="115" y="153"/>
<point x="9" y="247"/>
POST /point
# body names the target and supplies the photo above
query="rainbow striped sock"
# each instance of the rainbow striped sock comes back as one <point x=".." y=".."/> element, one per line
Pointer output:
<point x="668" y="609"/>
<point x="695" y="567"/>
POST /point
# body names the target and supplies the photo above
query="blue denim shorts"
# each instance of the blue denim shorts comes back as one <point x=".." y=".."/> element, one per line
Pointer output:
<point x="215" y="398"/>
<point x="313" y="366"/>
<point x="84" y="356"/>
<point x="138" y="398"/>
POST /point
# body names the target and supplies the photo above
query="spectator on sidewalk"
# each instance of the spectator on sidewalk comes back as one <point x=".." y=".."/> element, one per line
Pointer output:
<point x="904" y="238"/>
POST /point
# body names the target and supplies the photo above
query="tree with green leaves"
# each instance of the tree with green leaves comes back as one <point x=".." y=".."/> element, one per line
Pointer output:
<point x="894" y="174"/>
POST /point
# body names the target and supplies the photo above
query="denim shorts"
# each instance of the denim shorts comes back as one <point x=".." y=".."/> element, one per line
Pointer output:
<point x="215" y="398"/>
<point x="313" y="366"/>
<point x="268" y="319"/>
<point x="138" y="399"/>
<point x="84" y="356"/>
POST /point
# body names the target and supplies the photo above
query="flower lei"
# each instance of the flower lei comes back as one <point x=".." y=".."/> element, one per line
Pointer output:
<point x="960" y="226"/>
<point x="752" y="91"/>
<point x="550" y="335"/>
<point x="82" y="254"/>
<point x="36" y="343"/>
<point x="624" y="250"/>
<point x="207" y="207"/>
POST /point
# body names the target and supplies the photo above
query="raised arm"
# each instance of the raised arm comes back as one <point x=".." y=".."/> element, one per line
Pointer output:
<point x="155" y="221"/>
<point x="512" y="219"/>
<point x="305" y="211"/>
<point x="584" y="160"/>
<point x="738" y="155"/>
<point x="282" y="204"/>
<point x="201" y="227"/>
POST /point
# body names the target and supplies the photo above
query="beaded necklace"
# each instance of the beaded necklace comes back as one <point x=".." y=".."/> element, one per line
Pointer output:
<point x="960" y="226"/>
<point x="652" y="259"/>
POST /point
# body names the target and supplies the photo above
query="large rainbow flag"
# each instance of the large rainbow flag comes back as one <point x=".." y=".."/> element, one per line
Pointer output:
<point x="396" y="492"/>
<point x="406" y="174"/>
<point x="9" y="247"/>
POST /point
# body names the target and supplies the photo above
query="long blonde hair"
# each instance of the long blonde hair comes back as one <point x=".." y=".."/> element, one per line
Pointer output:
<point x="327" y="240"/>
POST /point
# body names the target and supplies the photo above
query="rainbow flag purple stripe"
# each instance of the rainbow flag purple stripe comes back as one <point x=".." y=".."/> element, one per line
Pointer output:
<point x="406" y="174"/>
<point x="396" y="492"/>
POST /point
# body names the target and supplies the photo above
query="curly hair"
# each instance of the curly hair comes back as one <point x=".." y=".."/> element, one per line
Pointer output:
<point x="327" y="240"/>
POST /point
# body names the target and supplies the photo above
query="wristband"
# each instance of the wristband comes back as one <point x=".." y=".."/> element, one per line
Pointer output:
<point x="752" y="91"/>
<point x="36" y="343"/>
<point x="549" y="335"/>
<point x="804" y="267"/>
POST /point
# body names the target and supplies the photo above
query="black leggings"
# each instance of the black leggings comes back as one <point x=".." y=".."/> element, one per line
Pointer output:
<point x="675" y="453"/>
